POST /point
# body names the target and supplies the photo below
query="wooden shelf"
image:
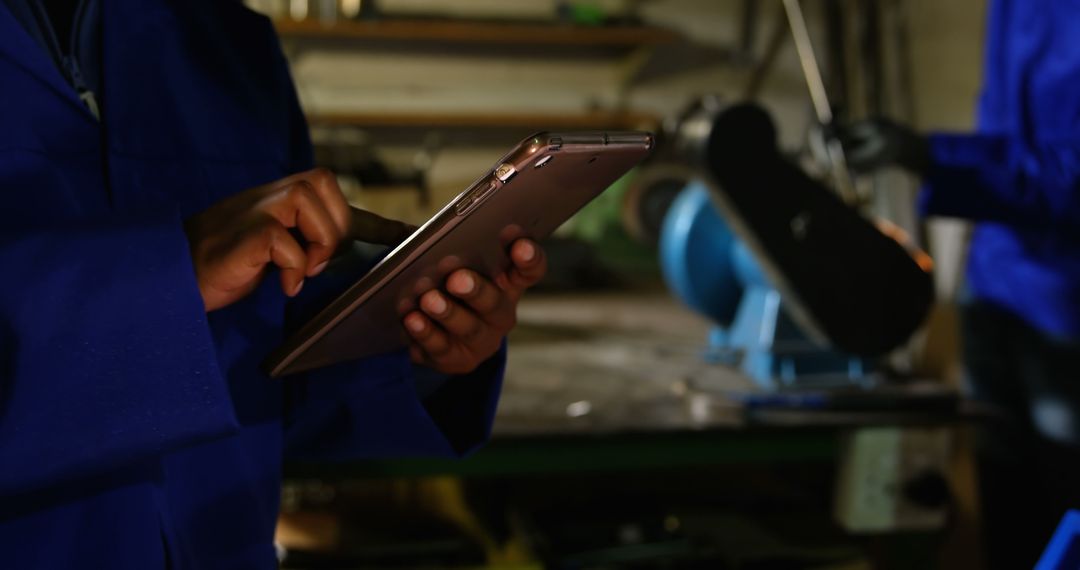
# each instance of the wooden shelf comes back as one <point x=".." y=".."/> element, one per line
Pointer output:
<point x="539" y="121"/>
<point x="478" y="32"/>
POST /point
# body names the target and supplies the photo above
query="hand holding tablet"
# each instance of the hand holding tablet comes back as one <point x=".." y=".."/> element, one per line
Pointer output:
<point x="454" y="331"/>
<point x="530" y="192"/>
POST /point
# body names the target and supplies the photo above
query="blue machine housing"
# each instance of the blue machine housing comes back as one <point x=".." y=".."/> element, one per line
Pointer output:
<point x="713" y="272"/>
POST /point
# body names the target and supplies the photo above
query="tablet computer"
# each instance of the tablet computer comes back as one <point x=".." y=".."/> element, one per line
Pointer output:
<point x="530" y="192"/>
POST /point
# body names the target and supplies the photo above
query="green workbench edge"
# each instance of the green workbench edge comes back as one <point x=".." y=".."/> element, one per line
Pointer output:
<point x="577" y="454"/>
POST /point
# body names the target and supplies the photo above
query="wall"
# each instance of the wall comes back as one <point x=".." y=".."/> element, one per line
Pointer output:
<point x="414" y="78"/>
<point x="948" y="72"/>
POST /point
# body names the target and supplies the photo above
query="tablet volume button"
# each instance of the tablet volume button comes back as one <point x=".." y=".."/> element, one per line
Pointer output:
<point x="466" y="204"/>
<point x="474" y="197"/>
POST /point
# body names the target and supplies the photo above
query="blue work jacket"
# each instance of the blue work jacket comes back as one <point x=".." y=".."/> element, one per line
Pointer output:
<point x="1018" y="176"/>
<point x="136" y="430"/>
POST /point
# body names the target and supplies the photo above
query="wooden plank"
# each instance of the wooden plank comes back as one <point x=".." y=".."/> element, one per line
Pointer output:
<point x="479" y="32"/>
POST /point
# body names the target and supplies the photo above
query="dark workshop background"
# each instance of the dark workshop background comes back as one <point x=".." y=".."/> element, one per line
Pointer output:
<point x="617" y="444"/>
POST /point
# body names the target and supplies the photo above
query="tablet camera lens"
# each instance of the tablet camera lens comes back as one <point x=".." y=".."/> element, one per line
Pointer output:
<point x="505" y="172"/>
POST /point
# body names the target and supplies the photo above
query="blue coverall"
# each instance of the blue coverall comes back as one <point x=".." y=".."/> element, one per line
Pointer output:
<point x="1018" y="178"/>
<point x="136" y="430"/>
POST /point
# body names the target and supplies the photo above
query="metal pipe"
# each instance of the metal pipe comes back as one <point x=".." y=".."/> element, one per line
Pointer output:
<point x="805" y="48"/>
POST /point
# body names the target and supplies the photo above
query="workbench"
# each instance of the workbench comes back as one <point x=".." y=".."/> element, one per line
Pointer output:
<point x="609" y="395"/>
<point x="618" y="381"/>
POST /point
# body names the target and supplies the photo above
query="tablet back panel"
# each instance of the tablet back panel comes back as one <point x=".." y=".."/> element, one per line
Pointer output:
<point x="529" y="193"/>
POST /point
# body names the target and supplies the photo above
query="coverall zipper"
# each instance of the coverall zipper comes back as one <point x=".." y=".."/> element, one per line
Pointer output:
<point x="71" y="64"/>
<point x="68" y="63"/>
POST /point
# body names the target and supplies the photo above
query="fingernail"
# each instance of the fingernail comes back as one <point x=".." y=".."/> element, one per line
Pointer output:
<point x="415" y="323"/>
<point x="437" y="304"/>
<point x="465" y="284"/>
<point x="299" y="286"/>
<point x="319" y="268"/>
<point x="528" y="251"/>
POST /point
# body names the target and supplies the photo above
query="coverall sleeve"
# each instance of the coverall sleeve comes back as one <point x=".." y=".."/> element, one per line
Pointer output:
<point x="370" y="409"/>
<point x="1004" y="179"/>
<point x="105" y="354"/>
